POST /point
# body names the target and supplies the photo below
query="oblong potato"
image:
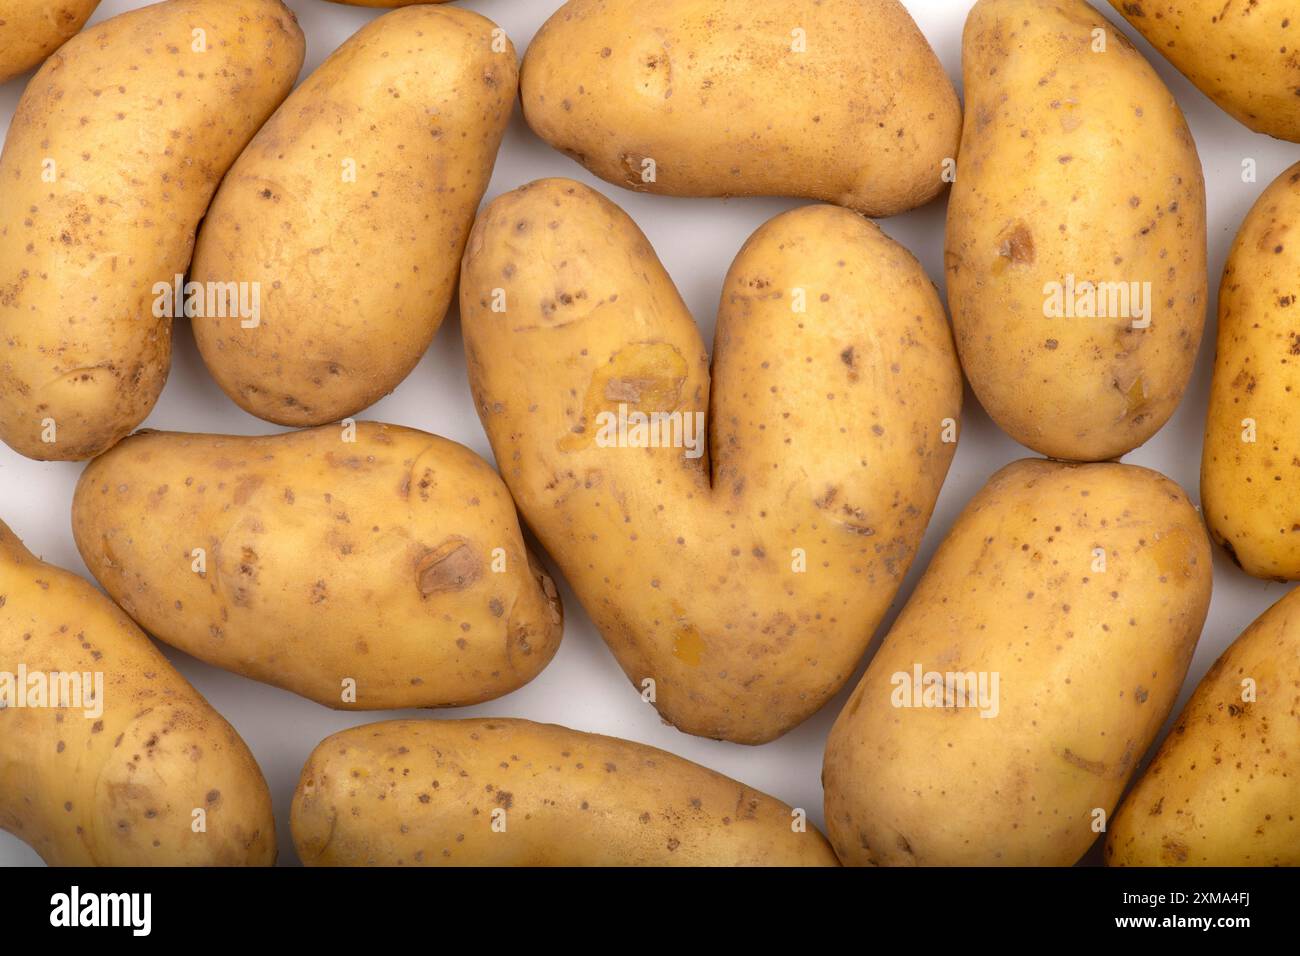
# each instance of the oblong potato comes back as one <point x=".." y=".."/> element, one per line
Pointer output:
<point x="115" y="149"/>
<point x="1239" y="55"/>
<point x="120" y="780"/>
<point x="1249" y="478"/>
<point x="30" y="30"/>
<point x="384" y="572"/>
<point x="1075" y="248"/>
<point x="836" y="100"/>
<point x="1224" y="788"/>
<point x="515" y="793"/>
<point x="1081" y="590"/>
<point x="355" y="255"/>
<point x="742" y="576"/>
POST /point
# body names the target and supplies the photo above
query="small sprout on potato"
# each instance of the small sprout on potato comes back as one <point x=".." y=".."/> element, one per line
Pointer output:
<point x="349" y="687"/>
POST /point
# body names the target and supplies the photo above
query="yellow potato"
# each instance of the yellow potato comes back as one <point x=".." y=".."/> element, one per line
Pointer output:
<point x="737" y="584"/>
<point x="1241" y="55"/>
<point x="30" y="30"/>
<point x="1250" y="463"/>
<point x="1075" y="249"/>
<point x="348" y="213"/>
<point x="1224" y="788"/>
<point x="116" y="147"/>
<point x="132" y="767"/>
<point x="837" y="100"/>
<point x="384" y="572"/>
<point x="384" y="3"/>
<point x="1029" y="672"/>
<point x="515" y="793"/>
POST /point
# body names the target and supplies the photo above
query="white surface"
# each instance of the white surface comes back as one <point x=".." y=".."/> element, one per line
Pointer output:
<point x="696" y="239"/>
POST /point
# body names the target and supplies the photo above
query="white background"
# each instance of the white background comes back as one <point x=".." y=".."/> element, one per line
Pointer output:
<point x="696" y="239"/>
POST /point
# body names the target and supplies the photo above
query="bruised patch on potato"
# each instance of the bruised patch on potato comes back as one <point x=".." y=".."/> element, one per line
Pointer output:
<point x="647" y="377"/>
<point x="688" y="645"/>
<point x="452" y="566"/>
<point x="1015" y="247"/>
<point x="1173" y="851"/>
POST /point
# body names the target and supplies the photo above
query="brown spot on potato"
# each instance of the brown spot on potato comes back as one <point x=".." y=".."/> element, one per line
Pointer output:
<point x="1083" y="763"/>
<point x="452" y="566"/>
<point x="1016" y="246"/>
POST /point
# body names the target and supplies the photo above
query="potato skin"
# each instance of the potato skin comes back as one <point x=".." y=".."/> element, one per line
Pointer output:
<point x="30" y="30"/>
<point x="1107" y="188"/>
<point x="141" y="130"/>
<point x="118" y="789"/>
<point x="1224" y="788"/>
<point x="1089" y="662"/>
<point x="1239" y="55"/>
<point x="325" y="560"/>
<point x="355" y="278"/>
<point x="384" y="3"/>
<point x="1249" y="488"/>
<point x="712" y="91"/>
<point x="423" y="793"/>
<point x="826" y="440"/>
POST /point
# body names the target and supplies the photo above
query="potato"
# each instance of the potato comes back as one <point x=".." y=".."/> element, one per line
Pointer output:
<point x="738" y="584"/>
<point x="837" y="100"/>
<point x="1224" y="788"/>
<point x="349" y="213"/>
<point x="30" y="30"/>
<point x="516" y="793"/>
<point x="1239" y="55"/>
<point x="1249" y="474"/>
<point x="1080" y="590"/>
<point x="384" y="3"/>
<point x="1075" y="248"/>
<point x="107" y="756"/>
<point x="384" y="572"/>
<point x="115" y="149"/>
